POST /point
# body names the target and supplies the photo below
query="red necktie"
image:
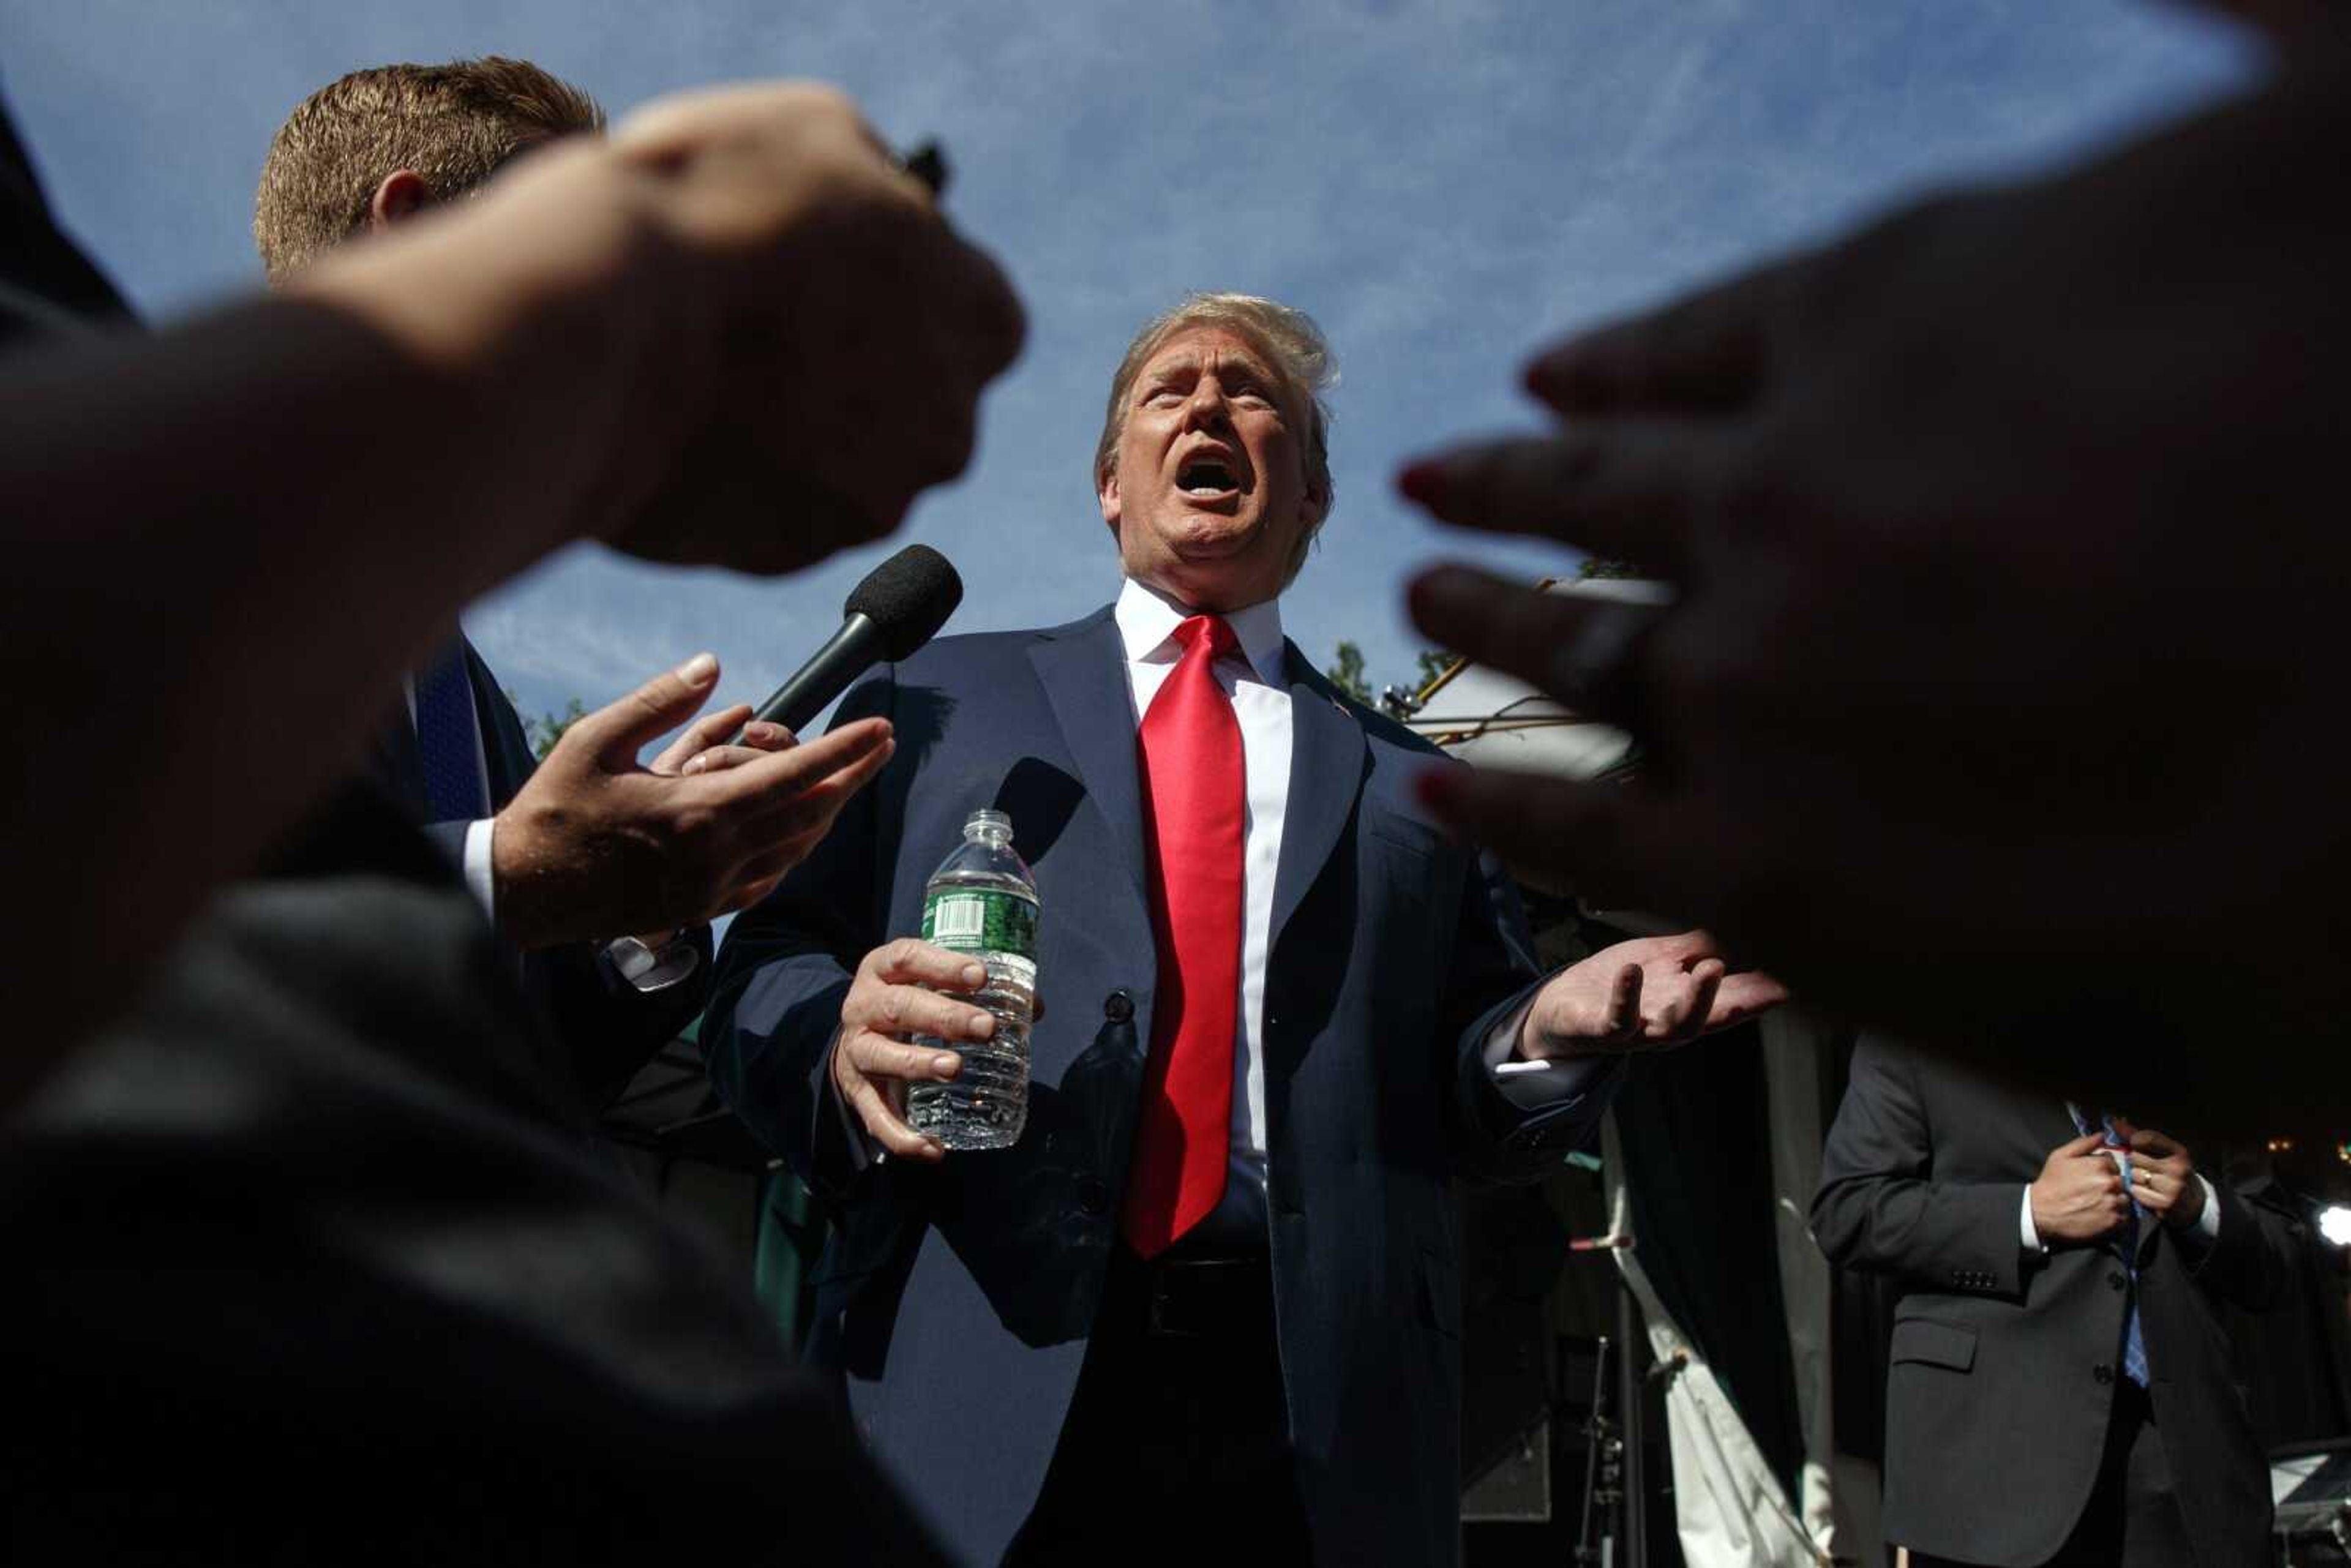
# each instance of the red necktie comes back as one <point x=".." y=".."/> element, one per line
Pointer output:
<point x="1195" y="807"/>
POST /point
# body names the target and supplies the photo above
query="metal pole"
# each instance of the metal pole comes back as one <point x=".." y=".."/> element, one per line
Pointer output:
<point x="1630" y="1403"/>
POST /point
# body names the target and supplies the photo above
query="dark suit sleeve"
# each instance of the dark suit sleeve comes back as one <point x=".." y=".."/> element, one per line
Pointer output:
<point x="1880" y="1207"/>
<point x="783" y="971"/>
<point x="2250" y="1261"/>
<point x="610" y="1030"/>
<point x="1493" y="975"/>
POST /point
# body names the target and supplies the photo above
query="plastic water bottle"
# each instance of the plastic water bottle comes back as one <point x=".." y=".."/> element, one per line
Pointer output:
<point x="982" y="901"/>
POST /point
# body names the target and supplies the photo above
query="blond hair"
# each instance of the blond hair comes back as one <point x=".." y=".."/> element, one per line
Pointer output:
<point x="455" y="125"/>
<point x="1300" y="356"/>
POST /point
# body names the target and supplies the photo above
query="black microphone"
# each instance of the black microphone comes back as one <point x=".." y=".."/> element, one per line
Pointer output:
<point x="900" y="606"/>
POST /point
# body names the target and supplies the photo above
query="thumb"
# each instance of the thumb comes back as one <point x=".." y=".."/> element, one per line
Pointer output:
<point x="2087" y="1144"/>
<point x="615" y="734"/>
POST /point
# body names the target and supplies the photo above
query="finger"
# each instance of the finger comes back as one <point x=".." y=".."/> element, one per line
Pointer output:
<point x="1704" y="351"/>
<point x="1744" y="996"/>
<point x="887" y="1128"/>
<point x="615" y="733"/>
<point x="877" y="1056"/>
<point x="912" y="961"/>
<point x="1520" y="631"/>
<point x="1620" y="848"/>
<point x="2158" y="1145"/>
<point x="718" y="758"/>
<point x="910" y="1010"/>
<point x="811" y="812"/>
<point x="758" y="739"/>
<point x="763" y="736"/>
<point x="701" y="733"/>
<point x="1627" y="490"/>
<point x="2087" y="1144"/>
<point x="1623" y="1016"/>
<point x="775" y="776"/>
<point x="1683" y="1015"/>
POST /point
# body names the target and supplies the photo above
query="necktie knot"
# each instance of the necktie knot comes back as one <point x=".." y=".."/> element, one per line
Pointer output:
<point x="1195" y="632"/>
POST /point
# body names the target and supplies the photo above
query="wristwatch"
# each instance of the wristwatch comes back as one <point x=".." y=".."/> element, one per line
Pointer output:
<point x="653" y="969"/>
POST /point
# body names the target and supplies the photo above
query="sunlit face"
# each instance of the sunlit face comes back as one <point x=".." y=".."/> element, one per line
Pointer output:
<point x="1209" y="494"/>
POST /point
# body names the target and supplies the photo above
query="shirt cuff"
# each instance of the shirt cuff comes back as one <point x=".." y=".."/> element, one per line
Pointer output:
<point x="2026" y="1231"/>
<point x="1534" y="1085"/>
<point x="481" y="881"/>
<point x="2208" y="1222"/>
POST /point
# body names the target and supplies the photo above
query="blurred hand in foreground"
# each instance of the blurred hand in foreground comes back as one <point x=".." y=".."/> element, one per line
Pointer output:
<point x="778" y="342"/>
<point x="2000" y="697"/>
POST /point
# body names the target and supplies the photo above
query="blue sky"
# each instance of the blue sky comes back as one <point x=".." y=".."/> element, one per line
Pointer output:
<point x="1444" y="187"/>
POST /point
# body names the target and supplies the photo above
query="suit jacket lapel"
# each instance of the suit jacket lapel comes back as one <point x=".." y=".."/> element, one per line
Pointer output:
<point x="506" y="757"/>
<point x="395" y="763"/>
<point x="1082" y="667"/>
<point x="1326" y="773"/>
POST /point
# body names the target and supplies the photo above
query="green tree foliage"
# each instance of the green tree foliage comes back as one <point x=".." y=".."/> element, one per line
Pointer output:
<point x="1346" y="673"/>
<point x="544" y="730"/>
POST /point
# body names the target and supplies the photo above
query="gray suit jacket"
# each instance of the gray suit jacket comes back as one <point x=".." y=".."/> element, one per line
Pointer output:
<point x="957" y="1301"/>
<point x="2004" y="1362"/>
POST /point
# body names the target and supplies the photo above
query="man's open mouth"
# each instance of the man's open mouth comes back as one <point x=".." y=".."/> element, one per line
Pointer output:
<point x="1207" y="476"/>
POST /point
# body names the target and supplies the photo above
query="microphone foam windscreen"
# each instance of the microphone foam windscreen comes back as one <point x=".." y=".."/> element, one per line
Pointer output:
<point x="908" y="597"/>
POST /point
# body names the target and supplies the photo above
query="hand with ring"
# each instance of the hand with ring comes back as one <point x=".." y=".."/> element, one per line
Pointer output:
<point x="2163" y="1175"/>
<point x="1957" y="700"/>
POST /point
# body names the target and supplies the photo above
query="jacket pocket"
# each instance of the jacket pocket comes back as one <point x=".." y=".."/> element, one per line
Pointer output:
<point x="1935" y="1344"/>
<point x="1416" y="838"/>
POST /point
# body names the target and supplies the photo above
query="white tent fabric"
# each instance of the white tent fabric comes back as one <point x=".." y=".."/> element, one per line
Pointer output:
<point x="1493" y="720"/>
<point x="1731" y="1511"/>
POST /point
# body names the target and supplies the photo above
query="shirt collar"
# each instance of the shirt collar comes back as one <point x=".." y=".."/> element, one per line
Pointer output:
<point x="1147" y="619"/>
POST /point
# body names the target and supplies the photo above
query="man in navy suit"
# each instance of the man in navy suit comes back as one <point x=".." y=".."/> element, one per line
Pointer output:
<point x="1208" y="1301"/>
<point x="615" y="947"/>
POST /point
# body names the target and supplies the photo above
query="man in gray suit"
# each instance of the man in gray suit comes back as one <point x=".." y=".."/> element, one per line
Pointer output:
<point x="2061" y="1390"/>
<point x="1210" y="1301"/>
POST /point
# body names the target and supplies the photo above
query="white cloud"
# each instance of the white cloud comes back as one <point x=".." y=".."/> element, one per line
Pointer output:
<point x="1444" y="186"/>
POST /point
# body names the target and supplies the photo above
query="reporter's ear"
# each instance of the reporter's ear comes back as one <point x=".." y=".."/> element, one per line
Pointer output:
<point x="402" y="195"/>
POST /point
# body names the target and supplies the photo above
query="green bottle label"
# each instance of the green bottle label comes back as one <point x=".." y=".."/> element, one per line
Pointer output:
<point x="981" y="920"/>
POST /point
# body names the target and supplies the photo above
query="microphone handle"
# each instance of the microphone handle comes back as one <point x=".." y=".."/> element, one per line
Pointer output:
<point x="846" y="655"/>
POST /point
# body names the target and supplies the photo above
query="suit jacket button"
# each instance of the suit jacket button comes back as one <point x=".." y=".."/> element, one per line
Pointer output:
<point x="2103" y="1373"/>
<point x="1118" y="1006"/>
<point x="2115" y="1282"/>
<point x="1093" y="1199"/>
